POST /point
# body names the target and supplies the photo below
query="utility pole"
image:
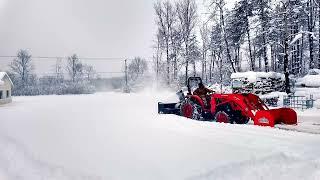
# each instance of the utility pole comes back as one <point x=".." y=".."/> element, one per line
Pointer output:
<point x="126" y="88"/>
<point x="126" y="72"/>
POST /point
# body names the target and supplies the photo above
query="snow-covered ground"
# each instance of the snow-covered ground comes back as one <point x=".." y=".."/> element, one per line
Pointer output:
<point x="121" y="136"/>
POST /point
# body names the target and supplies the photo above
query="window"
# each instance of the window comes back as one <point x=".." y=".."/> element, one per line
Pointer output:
<point x="8" y="94"/>
<point x="1" y="95"/>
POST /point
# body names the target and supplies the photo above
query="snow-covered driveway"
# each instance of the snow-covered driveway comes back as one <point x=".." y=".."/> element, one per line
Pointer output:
<point x="121" y="136"/>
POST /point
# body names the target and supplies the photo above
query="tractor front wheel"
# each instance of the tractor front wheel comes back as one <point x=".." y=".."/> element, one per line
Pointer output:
<point x="191" y="110"/>
<point x="222" y="117"/>
<point x="239" y="118"/>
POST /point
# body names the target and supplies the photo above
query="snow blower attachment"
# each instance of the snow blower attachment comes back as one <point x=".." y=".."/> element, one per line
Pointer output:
<point x="263" y="116"/>
<point x="227" y="108"/>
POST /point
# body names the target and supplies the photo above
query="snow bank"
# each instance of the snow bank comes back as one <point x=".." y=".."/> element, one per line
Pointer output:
<point x="274" y="166"/>
<point x="273" y="95"/>
<point x="17" y="163"/>
<point x="308" y="92"/>
<point x="309" y="81"/>
<point x="217" y="88"/>
<point x="254" y="76"/>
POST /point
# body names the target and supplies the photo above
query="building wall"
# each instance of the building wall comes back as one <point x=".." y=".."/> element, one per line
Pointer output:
<point x="4" y="88"/>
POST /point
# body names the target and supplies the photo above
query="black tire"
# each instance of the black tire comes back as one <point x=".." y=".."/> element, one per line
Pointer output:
<point x="235" y="117"/>
<point x="239" y="118"/>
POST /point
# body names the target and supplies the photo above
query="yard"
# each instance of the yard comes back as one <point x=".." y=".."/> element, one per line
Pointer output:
<point x="121" y="136"/>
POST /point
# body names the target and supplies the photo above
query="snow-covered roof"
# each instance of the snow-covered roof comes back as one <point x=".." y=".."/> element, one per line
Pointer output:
<point x="2" y="76"/>
<point x="253" y="76"/>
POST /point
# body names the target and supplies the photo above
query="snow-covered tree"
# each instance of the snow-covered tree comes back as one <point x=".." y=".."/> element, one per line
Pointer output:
<point x="89" y="72"/>
<point x="238" y="27"/>
<point x="137" y="68"/>
<point x="262" y="10"/>
<point x="74" y="68"/>
<point x="187" y="15"/>
<point x="205" y="38"/>
<point x="165" y="18"/>
<point x="22" y="66"/>
<point x="218" y="12"/>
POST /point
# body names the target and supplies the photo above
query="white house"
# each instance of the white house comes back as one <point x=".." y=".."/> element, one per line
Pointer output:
<point x="6" y="86"/>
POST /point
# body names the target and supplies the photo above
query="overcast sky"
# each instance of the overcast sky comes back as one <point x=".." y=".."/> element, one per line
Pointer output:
<point x="90" y="28"/>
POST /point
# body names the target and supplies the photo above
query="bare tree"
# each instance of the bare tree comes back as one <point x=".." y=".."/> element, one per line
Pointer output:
<point x="263" y="7"/>
<point x="311" y="24"/>
<point x="165" y="19"/>
<point x="187" y="14"/>
<point x="205" y="38"/>
<point x="216" y="49"/>
<point x="22" y="66"/>
<point x="137" y="68"/>
<point x="89" y="72"/>
<point x="219" y="7"/>
<point x="59" y="70"/>
<point x="176" y="46"/>
<point x="74" y="68"/>
<point x="158" y="56"/>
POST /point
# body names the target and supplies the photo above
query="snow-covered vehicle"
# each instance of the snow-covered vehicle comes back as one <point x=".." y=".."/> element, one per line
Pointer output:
<point x="227" y="108"/>
<point x="312" y="79"/>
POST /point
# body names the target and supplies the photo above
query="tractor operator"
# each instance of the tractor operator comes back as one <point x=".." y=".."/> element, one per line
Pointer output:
<point x="203" y="93"/>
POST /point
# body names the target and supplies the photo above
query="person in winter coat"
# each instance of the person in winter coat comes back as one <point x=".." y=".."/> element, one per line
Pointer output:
<point x="203" y="93"/>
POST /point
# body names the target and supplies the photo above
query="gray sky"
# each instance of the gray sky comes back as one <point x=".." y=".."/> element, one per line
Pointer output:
<point x="90" y="28"/>
<point x="95" y="28"/>
<point x="121" y="28"/>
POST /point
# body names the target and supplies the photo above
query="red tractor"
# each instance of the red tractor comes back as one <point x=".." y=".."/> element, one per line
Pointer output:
<point x="227" y="108"/>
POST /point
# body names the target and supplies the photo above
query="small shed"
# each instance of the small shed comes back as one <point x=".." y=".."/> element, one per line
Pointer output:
<point x="6" y="86"/>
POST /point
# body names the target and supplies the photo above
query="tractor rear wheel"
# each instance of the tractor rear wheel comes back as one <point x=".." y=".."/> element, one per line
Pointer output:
<point x="222" y="117"/>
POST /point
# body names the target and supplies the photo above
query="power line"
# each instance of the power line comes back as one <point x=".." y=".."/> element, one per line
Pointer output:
<point x="80" y="58"/>
<point x="105" y="72"/>
<point x="65" y="57"/>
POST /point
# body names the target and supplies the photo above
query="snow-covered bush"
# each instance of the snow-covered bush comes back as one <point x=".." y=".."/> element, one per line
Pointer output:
<point x="76" y="88"/>
<point x="58" y="88"/>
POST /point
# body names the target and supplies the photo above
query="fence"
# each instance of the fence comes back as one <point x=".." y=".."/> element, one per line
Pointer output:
<point x="299" y="102"/>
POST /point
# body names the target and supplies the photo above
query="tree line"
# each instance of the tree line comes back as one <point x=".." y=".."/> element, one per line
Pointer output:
<point x="79" y="78"/>
<point x="26" y="82"/>
<point x="256" y="35"/>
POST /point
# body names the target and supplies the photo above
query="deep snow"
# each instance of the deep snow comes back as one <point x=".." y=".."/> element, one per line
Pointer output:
<point x="121" y="136"/>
